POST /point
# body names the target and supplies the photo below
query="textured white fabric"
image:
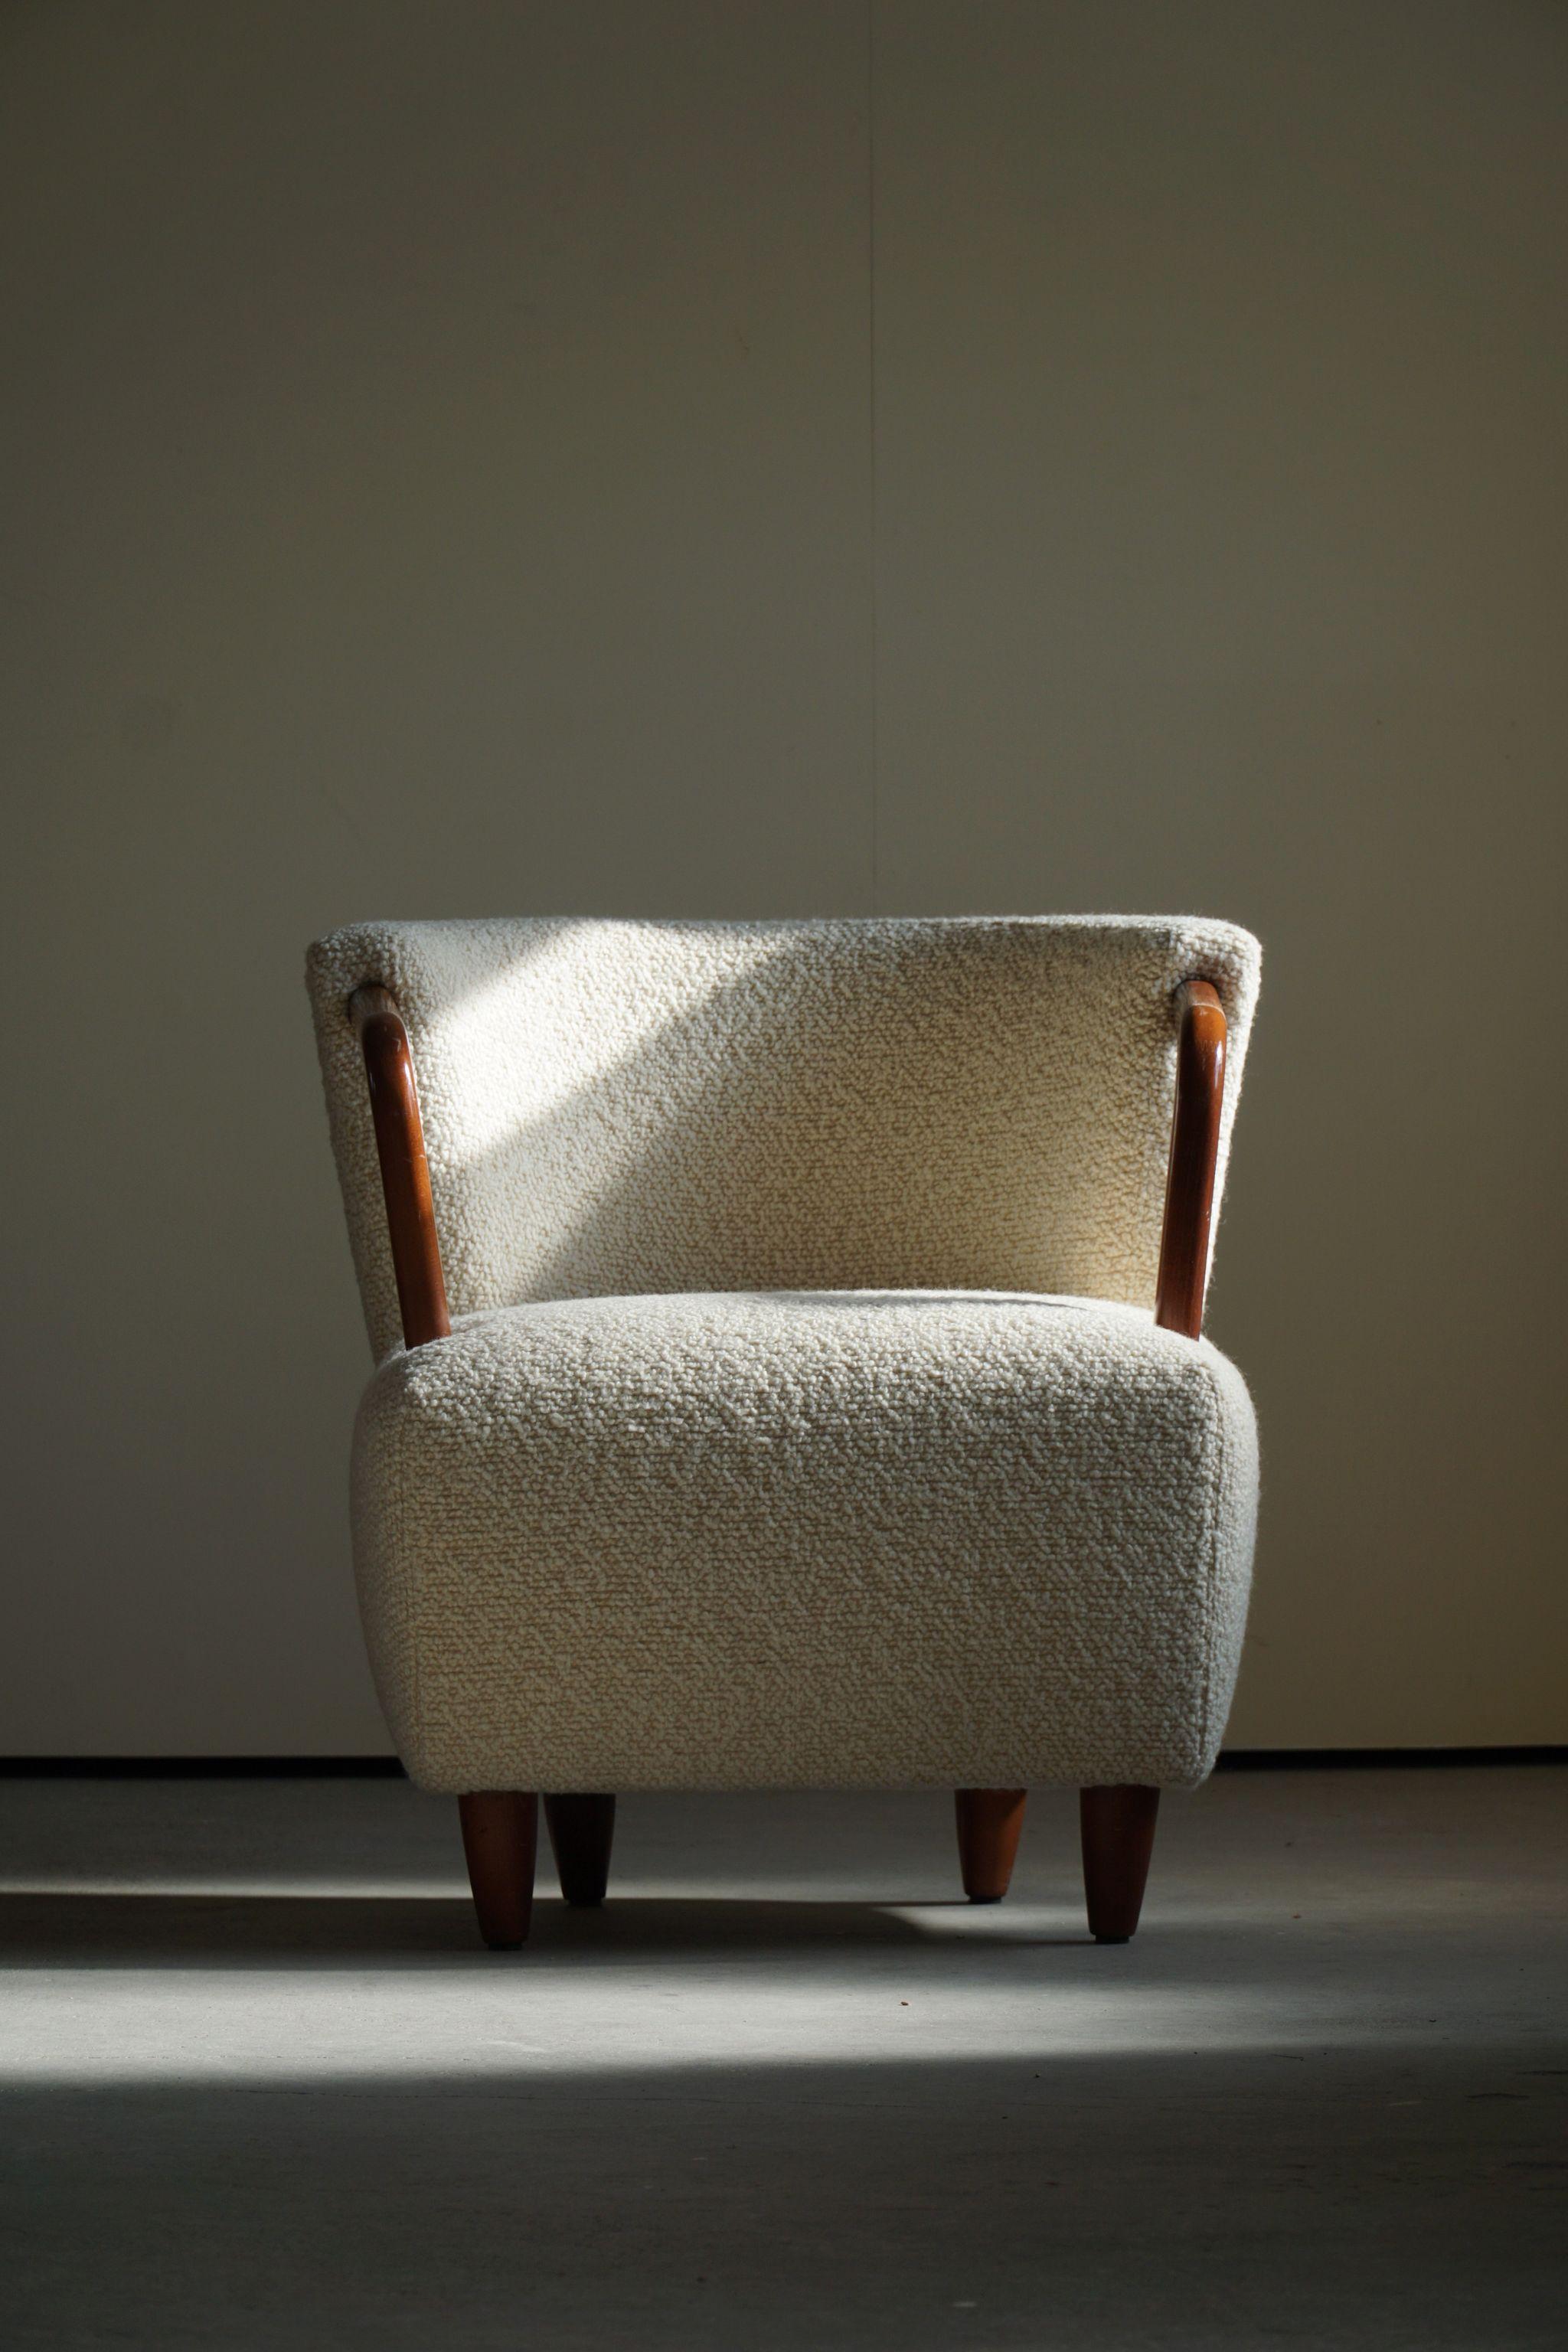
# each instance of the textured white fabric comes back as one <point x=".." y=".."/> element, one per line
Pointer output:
<point x="761" y="1454"/>
<point x="803" y="1538"/>
<point x="620" y="1107"/>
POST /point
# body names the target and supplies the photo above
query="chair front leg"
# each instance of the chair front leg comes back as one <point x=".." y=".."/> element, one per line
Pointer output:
<point x="1116" y="1827"/>
<point x="500" y="1831"/>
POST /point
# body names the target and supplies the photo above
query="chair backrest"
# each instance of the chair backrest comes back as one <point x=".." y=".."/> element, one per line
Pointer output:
<point x="973" y="1103"/>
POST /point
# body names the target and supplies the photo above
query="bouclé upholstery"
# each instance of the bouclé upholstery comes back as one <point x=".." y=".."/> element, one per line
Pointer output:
<point x="796" y="1538"/>
<point x="804" y="1421"/>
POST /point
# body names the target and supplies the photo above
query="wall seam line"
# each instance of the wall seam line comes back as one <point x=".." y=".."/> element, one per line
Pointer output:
<point x="871" y="418"/>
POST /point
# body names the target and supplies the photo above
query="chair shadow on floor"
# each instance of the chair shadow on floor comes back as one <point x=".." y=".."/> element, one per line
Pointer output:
<point x="49" y="1928"/>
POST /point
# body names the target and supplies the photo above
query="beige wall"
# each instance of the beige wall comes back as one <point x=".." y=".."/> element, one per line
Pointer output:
<point x="759" y="460"/>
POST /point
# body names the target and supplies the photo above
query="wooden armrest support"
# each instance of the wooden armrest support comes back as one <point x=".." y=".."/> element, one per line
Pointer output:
<point x="405" y="1171"/>
<point x="1195" y="1154"/>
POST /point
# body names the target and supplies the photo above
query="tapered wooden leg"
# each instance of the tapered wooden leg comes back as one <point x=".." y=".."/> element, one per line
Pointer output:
<point x="1117" y="1825"/>
<point x="580" y="1830"/>
<point x="990" y="1821"/>
<point x="501" y="1829"/>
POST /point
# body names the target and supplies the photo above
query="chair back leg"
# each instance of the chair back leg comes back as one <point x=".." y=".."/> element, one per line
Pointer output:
<point x="581" y="1831"/>
<point x="990" y="1822"/>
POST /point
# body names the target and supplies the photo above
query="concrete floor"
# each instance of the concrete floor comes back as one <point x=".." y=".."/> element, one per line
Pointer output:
<point x="263" y="2089"/>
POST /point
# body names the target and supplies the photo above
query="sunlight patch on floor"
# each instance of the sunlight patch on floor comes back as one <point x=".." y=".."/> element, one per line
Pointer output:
<point x="506" y="2017"/>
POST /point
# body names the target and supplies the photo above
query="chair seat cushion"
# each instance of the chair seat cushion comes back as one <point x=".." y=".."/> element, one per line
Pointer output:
<point x="740" y="1539"/>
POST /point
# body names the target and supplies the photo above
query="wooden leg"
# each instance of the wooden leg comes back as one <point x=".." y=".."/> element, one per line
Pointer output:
<point x="499" y="1831"/>
<point x="581" y="1830"/>
<point x="989" y="1823"/>
<point x="1116" y="1827"/>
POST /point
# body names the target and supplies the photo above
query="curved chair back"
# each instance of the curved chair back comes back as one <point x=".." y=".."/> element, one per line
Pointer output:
<point x="968" y="1103"/>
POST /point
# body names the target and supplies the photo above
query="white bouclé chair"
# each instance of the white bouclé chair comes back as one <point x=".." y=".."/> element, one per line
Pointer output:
<point x="788" y="1370"/>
